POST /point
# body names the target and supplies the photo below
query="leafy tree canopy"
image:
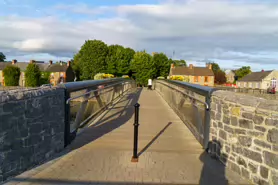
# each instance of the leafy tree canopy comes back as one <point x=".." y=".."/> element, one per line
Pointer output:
<point x="243" y="71"/>
<point x="32" y="75"/>
<point x="161" y="64"/>
<point x="215" y="67"/>
<point x="180" y="63"/>
<point x="220" y="77"/>
<point x="91" y="59"/>
<point x="11" y="75"/>
<point x="143" y="66"/>
<point x="2" y="57"/>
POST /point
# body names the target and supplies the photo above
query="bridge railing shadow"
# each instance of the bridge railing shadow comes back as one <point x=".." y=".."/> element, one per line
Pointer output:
<point x="213" y="166"/>
<point x="106" y="124"/>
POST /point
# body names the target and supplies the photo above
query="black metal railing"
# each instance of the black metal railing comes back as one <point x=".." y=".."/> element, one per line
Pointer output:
<point x="87" y="99"/>
<point x="191" y="102"/>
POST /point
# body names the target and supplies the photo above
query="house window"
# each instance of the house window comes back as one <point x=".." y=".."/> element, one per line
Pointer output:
<point x="250" y="84"/>
<point x="245" y="84"/>
<point x="273" y="82"/>
<point x="206" y="79"/>
<point x="258" y="85"/>
<point x="195" y="78"/>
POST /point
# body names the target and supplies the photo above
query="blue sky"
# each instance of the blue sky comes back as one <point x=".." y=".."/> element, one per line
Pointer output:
<point x="232" y="33"/>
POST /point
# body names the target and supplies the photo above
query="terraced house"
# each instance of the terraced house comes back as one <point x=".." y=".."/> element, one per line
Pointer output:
<point x="58" y="72"/>
<point x="196" y="75"/>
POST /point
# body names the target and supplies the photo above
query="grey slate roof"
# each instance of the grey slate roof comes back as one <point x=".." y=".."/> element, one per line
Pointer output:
<point x="255" y="76"/>
<point x="43" y="66"/>
<point x="57" y="68"/>
<point x="4" y="64"/>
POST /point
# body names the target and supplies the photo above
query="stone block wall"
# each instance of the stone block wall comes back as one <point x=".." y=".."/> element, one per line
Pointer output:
<point x="247" y="129"/>
<point x="31" y="128"/>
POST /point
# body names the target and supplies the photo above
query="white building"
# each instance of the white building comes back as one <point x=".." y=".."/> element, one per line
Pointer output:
<point x="259" y="80"/>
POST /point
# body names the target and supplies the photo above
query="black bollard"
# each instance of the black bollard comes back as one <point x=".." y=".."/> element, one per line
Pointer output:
<point x="136" y="125"/>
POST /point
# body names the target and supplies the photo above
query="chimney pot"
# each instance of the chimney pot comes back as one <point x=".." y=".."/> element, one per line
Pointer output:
<point x="50" y="62"/>
<point x="191" y="66"/>
<point x="262" y="70"/>
<point x="32" y="61"/>
<point x="68" y="64"/>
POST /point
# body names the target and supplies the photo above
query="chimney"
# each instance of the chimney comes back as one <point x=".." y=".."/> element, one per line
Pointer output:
<point x="14" y="61"/>
<point x="210" y="66"/>
<point x="68" y="64"/>
<point x="262" y="70"/>
<point x="191" y="66"/>
<point x="172" y="66"/>
<point x="50" y="62"/>
<point x="32" y="61"/>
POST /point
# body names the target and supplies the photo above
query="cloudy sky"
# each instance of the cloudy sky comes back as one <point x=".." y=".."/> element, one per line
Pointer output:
<point x="231" y="32"/>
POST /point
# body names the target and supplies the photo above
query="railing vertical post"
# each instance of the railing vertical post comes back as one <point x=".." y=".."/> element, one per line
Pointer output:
<point x="67" y="120"/>
<point x="207" y="123"/>
<point x="136" y="125"/>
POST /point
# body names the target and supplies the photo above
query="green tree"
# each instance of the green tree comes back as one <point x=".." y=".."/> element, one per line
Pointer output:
<point x="2" y="57"/>
<point x="180" y="63"/>
<point x="220" y="77"/>
<point x="32" y="75"/>
<point x="123" y="65"/>
<point x="161" y="65"/>
<point x="115" y="54"/>
<point x="92" y="59"/>
<point x="243" y="71"/>
<point x="143" y="67"/>
<point x="76" y="66"/>
<point x="215" y="67"/>
<point x="11" y="75"/>
<point x="45" y="78"/>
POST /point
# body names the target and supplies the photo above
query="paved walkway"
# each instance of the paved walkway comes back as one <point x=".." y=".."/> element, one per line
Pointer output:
<point x="101" y="154"/>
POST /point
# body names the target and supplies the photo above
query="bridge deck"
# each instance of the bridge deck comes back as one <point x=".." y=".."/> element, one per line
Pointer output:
<point x="101" y="154"/>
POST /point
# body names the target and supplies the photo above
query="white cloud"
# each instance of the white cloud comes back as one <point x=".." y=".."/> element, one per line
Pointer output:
<point x="196" y="30"/>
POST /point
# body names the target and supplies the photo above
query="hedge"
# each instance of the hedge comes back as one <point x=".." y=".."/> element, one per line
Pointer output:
<point x="11" y="75"/>
<point x="33" y="75"/>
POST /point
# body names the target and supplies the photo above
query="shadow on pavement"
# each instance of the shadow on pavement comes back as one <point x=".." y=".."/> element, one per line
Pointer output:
<point x="213" y="171"/>
<point x="154" y="139"/>
<point x="106" y="123"/>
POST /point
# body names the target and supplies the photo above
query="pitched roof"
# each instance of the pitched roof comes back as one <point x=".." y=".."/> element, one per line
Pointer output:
<point x="4" y="64"/>
<point x="43" y="66"/>
<point x="57" y="68"/>
<point x="255" y="76"/>
<point x="195" y="71"/>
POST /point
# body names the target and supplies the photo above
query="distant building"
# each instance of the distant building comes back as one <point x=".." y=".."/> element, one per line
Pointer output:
<point x="196" y="75"/>
<point x="230" y="76"/>
<point x="59" y="72"/>
<point x="259" y="80"/>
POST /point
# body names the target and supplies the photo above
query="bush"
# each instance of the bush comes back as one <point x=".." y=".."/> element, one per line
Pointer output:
<point x="101" y="76"/>
<point x="125" y="76"/>
<point x="45" y="78"/>
<point x="160" y="78"/>
<point x="179" y="78"/>
<point x="11" y="75"/>
<point x="33" y="75"/>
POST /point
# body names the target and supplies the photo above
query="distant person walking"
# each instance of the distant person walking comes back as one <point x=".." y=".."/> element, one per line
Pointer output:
<point x="150" y="83"/>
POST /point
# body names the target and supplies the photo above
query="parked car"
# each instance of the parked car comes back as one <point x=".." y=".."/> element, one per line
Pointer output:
<point x="271" y="90"/>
